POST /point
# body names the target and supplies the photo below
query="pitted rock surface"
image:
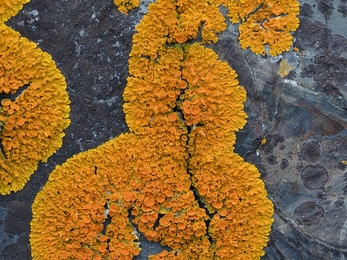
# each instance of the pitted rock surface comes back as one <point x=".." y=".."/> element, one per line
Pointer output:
<point x="303" y="119"/>
<point x="314" y="176"/>
<point x="308" y="213"/>
<point x="310" y="151"/>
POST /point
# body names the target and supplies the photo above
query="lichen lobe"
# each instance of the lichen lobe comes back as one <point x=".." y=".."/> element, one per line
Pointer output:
<point x="32" y="123"/>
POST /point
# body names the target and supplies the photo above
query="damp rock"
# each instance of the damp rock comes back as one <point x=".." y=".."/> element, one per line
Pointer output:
<point x="339" y="202"/>
<point x="345" y="188"/>
<point x="271" y="160"/>
<point x="290" y="154"/>
<point x="284" y="164"/>
<point x="252" y="157"/>
<point x="267" y="148"/>
<point x="257" y="142"/>
<point x="278" y="138"/>
<point x="322" y="195"/>
<point x="262" y="170"/>
<point x="306" y="10"/>
<point x="314" y="176"/>
<point x="308" y="213"/>
<point x="299" y="166"/>
<point x="326" y="7"/>
<point x="310" y="151"/>
<point x="342" y="9"/>
<point x="341" y="166"/>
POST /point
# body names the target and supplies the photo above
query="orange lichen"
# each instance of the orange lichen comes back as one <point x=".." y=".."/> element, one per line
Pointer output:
<point x="9" y="8"/>
<point x="265" y="23"/>
<point x="125" y="6"/>
<point x="31" y="124"/>
<point x="181" y="38"/>
<point x="284" y="69"/>
<point x="183" y="107"/>
<point x="263" y="141"/>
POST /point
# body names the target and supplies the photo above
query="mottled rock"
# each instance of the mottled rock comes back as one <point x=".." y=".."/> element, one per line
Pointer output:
<point x="308" y="213"/>
<point x="302" y="117"/>
<point x="314" y="176"/>
<point x="284" y="163"/>
<point x="310" y="151"/>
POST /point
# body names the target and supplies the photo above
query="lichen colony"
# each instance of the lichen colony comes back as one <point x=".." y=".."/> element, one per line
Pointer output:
<point x="31" y="122"/>
<point x="176" y="173"/>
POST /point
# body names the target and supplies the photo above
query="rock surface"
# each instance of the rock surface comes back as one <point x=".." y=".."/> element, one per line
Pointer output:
<point x="302" y="116"/>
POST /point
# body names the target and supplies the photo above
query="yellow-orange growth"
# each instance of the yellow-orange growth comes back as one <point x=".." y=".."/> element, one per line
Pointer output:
<point x="183" y="106"/>
<point x="265" y="24"/>
<point x="31" y="124"/>
<point x="126" y="5"/>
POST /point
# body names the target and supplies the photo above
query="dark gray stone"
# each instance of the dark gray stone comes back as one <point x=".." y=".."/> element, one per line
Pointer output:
<point x="308" y="213"/>
<point x="314" y="176"/>
<point x="310" y="151"/>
